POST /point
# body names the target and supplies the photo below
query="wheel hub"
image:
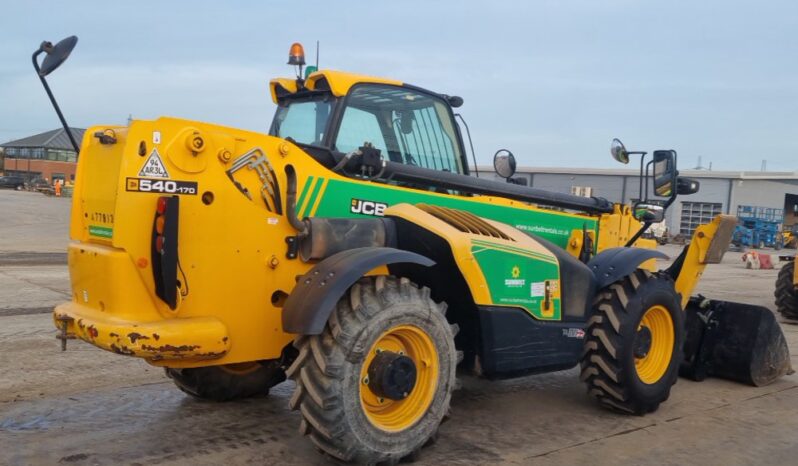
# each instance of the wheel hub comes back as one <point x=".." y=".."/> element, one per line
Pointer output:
<point x="392" y="375"/>
<point x="642" y="342"/>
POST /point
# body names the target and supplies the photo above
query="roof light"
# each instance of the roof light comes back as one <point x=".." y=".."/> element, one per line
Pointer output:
<point x="296" y="56"/>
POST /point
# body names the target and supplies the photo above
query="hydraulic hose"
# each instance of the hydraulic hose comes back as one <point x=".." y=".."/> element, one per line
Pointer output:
<point x="290" y="202"/>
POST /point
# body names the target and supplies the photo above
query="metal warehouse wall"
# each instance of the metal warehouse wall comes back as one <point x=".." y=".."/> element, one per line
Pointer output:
<point x="766" y="193"/>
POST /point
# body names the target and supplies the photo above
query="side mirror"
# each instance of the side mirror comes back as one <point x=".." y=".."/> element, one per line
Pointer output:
<point x="619" y="152"/>
<point x="648" y="213"/>
<point x="406" y="122"/>
<point x="664" y="172"/>
<point x="56" y="54"/>
<point x="686" y="186"/>
<point x="504" y="163"/>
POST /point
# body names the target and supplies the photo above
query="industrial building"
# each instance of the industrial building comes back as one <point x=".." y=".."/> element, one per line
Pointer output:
<point x="721" y="191"/>
<point x="47" y="155"/>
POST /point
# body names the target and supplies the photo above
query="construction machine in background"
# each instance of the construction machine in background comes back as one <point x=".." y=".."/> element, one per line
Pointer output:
<point x="787" y="290"/>
<point x="349" y="250"/>
<point x="789" y="236"/>
<point x="759" y="227"/>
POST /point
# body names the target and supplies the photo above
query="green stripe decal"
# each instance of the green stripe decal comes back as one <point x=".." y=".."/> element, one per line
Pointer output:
<point x="514" y="250"/>
<point x="550" y="225"/>
<point x="305" y="189"/>
<point x="102" y="232"/>
<point x="312" y="199"/>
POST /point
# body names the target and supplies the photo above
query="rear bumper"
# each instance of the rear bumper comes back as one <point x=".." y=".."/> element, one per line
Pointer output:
<point x="194" y="338"/>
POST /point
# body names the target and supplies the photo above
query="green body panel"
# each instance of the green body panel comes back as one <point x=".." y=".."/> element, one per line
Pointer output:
<point x="100" y="231"/>
<point x="337" y="201"/>
<point x="521" y="279"/>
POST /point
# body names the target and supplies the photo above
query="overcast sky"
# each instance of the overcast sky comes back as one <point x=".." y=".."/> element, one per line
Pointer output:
<point x="553" y="81"/>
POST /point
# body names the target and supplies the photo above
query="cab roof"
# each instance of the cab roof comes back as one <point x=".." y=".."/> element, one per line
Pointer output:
<point x="337" y="82"/>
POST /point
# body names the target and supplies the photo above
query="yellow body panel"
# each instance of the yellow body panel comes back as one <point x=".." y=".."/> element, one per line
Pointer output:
<point x="795" y="276"/>
<point x="697" y="252"/>
<point x="461" y="244"/>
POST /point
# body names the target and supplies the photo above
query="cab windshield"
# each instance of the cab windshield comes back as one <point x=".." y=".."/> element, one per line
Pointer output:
<point x="303" y="120"/>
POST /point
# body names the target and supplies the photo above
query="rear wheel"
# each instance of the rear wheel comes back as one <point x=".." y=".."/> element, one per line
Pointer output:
<point x="634" y="343"/>
<point x="786" y="292"/>
<point x="376" y="384"/>
<point x="228" y="382"/>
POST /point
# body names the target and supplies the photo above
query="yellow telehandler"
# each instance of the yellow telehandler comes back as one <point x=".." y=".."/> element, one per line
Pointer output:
<point x="351" y="250"/>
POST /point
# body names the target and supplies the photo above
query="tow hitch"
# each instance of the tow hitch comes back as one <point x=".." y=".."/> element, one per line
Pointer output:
<point x="63" y="335"/>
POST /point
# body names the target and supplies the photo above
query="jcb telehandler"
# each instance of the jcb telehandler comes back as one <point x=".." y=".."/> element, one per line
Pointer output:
<point x="350" y="250"/>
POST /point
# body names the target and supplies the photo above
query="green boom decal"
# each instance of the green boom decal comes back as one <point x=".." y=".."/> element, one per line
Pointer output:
<point x="336" y="201"/>
<point x="521" y="279"/>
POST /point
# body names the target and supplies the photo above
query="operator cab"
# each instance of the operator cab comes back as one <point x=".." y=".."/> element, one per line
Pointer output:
<point x="332" y="113"/>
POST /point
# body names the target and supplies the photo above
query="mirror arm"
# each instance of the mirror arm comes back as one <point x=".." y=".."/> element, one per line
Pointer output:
<point x="637" y="235"/>
<point x="52" y="99"/>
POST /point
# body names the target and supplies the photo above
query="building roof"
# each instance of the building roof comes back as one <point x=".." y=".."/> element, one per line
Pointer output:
<point x="54" y="139"/>
<point x="735" y="175"/>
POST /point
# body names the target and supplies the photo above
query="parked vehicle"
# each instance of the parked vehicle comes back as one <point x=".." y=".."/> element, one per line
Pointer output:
<point x="12" y="182"/>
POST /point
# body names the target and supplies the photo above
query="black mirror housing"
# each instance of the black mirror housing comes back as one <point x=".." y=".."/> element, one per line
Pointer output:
<point x="504" y="163"/>
<point x="56" y="54"/>
<point x="687" y="186"/>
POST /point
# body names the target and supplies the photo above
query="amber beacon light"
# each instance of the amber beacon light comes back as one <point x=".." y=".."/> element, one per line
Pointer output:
<point x="296" y="56"/>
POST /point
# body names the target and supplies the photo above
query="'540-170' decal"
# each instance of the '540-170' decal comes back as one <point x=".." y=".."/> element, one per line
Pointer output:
<point x="144" y="185"/>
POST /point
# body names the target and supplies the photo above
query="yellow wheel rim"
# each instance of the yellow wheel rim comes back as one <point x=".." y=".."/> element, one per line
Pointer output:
<point x="651" y="367"/>
<point x="396" y="415"/>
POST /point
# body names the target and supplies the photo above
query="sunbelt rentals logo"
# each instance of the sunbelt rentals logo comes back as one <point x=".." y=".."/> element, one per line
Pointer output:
<point x="516" y="281"/>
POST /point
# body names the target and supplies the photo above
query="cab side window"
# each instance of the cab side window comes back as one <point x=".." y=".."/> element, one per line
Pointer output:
<point x="359" y="126"/>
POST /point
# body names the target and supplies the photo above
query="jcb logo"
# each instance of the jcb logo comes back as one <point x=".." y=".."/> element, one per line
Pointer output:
<point x="359" y="206"/>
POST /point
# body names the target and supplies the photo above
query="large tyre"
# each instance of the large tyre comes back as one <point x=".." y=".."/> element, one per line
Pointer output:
<point x="786" y="292"/>
<point x="353" y="382"/>
<point x="228" y="382"/>
<point x="634" y="343"/>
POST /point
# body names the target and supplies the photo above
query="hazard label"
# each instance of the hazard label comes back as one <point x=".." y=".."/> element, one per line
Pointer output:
<point x="153" y="167"/>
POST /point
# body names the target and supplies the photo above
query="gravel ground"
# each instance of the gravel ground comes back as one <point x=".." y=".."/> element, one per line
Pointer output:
<point x="87" y="406"/>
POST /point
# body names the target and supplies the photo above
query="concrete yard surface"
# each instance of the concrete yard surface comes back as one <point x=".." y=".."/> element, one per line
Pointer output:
<point x="87" y="406"/>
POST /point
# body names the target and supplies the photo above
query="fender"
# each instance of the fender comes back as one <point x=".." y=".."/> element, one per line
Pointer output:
<point x="613" y="264"/>
<point x="316" y="293"/>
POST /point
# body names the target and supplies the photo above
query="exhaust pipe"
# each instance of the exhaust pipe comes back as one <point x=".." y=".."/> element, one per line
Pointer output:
<point x="734" y="341"/>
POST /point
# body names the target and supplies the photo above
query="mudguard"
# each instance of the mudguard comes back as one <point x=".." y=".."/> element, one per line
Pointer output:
<point x="613" y="264"/>
<point x="314" y="297"/>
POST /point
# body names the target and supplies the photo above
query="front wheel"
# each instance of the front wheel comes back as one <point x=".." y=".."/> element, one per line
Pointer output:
<point x="634" y="343"/>
<point x="376" y="384"/>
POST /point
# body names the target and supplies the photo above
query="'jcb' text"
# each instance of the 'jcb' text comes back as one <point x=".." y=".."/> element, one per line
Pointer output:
<point x="359" y="206"/>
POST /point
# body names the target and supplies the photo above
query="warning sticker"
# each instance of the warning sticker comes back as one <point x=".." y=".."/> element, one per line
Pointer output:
<point x="153" y="167"/>
<point x="538" y="289"/>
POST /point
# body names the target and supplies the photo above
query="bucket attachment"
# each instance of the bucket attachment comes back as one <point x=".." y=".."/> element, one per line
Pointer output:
<point x="733" y="341"/>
